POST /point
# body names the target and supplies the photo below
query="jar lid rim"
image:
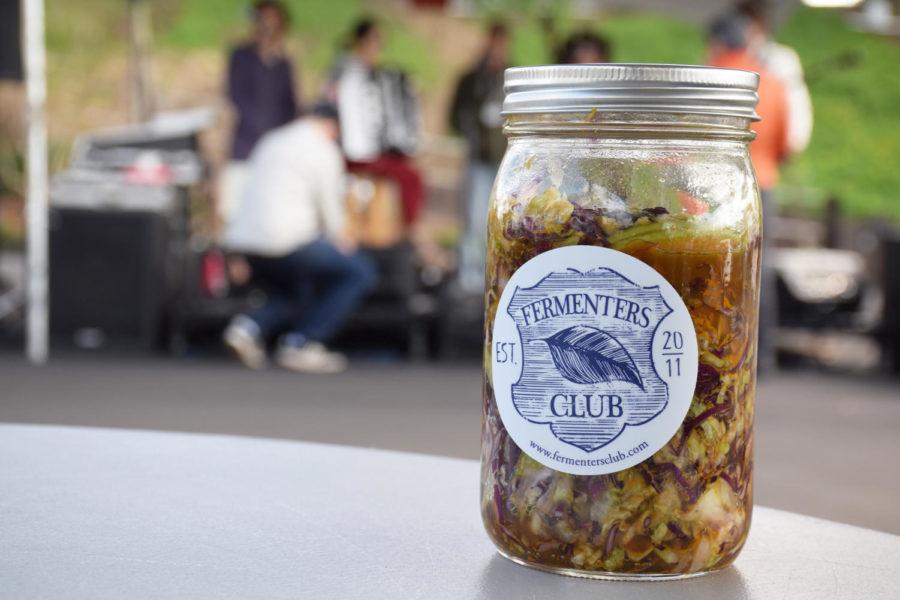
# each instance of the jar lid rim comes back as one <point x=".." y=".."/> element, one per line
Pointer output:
<point x="632" y="87"/>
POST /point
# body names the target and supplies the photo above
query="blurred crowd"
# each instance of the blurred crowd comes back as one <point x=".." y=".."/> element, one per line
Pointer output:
<point x="282" y="193"/>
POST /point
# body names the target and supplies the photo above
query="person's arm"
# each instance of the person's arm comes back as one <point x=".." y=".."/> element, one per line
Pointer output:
<point x="800" y="112"/>
<point x="292" y="93"/>
<point x="457" y="107"/>
<point x="241" y="91"/>
<point x="799" y="102"/>
<point x="360" y="116"/>
<point x="233" y="83"/>
<point x="783" y="125"/>
<point x="464" y="118"/>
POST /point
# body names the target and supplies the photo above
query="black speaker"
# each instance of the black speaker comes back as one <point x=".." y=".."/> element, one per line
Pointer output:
<point x="890" y="326"/>
<point x="11" y="41"/>
<point x="109" y="277"/>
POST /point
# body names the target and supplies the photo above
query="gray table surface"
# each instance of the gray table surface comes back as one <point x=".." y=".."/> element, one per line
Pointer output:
<point x="94" y="513"/>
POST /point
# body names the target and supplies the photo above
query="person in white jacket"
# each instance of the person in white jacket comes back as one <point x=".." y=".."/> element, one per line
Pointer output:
<point x="290" y="226"/>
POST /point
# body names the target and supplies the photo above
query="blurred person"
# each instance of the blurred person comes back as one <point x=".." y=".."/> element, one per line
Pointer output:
<point x="261" y="88"/>
<point x="583" y="48"/>
<point x="783" y="62"/>
<point x="729" y="40"/>
<point x="379" y="117"/>
<point x="290" y="226"/>
<point x="475" y="115"/>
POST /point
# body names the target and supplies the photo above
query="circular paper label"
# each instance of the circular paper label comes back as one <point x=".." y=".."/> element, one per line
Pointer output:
<point x="594" y="360"/>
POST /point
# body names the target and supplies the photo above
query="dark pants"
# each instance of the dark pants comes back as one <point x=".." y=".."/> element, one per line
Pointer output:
<point x="400" y="170"/>
<point x="311" y="291"/>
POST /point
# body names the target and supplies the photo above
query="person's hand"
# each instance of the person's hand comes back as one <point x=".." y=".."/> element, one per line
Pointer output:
<point x="239" y="272"/>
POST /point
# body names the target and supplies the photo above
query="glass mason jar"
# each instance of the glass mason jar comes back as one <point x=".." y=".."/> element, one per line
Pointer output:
<point x="622" y="289"/>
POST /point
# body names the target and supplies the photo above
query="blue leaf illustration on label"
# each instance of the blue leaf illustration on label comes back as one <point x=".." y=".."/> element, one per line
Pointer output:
<point x="584" y="354"/>
<point x="607" y="360"/>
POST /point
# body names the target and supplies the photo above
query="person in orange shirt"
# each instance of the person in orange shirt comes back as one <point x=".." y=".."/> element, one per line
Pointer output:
<point x="729" y="49"/>
<point x="729" y="38"/>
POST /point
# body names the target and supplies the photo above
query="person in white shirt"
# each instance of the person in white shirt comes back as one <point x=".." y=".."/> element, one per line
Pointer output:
<point x="290" y="226"/>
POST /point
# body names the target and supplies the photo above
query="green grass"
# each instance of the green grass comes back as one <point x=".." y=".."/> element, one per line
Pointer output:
<point x="653" y="38"/>
<point x="528" y="45"/>
<point x="854" y="80"/>
<point x="206" y="24"/>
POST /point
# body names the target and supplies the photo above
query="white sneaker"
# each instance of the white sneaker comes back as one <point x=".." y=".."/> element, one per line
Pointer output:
<point x="312" y="357"/>
<point x="242" y="337"/>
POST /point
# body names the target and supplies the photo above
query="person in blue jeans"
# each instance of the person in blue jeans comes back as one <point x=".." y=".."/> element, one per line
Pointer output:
<point x="290" y="226"/>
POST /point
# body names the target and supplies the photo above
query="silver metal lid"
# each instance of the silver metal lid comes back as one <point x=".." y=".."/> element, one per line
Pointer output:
<point x="680" y="89"/>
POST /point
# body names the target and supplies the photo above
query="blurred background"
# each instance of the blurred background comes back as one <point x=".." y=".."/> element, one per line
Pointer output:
<point x="162" y="115"/>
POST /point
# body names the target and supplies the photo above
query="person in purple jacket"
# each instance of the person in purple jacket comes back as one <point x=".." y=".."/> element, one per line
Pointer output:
<point x="260" y="87"/>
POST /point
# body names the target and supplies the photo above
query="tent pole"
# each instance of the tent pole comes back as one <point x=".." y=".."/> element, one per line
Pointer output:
<point x="37" y="181"/>
<point x="140" y="33"/>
